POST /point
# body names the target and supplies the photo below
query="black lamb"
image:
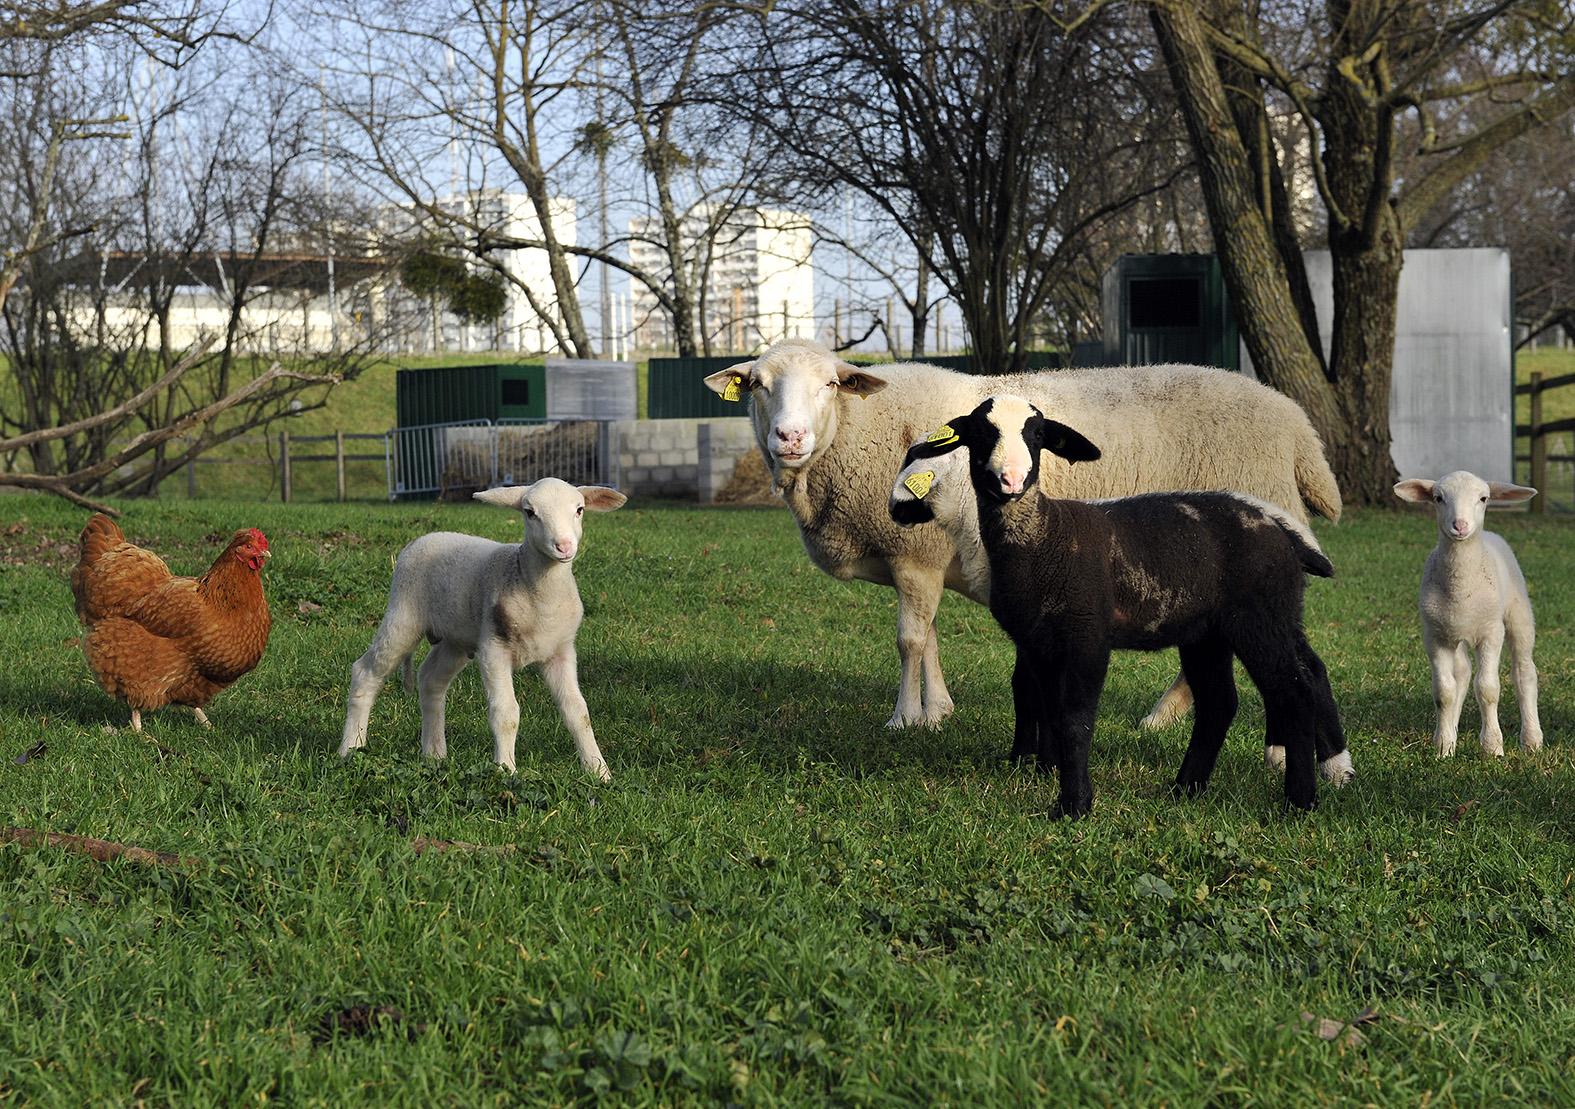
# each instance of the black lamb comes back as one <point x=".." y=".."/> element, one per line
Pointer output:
<point x="1215" y="574"/>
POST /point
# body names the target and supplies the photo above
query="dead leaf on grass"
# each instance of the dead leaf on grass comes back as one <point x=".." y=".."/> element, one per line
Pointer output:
<point x="305" y="608"/>
<point x="37" y="751"/>
<point x="1463" y="808"/>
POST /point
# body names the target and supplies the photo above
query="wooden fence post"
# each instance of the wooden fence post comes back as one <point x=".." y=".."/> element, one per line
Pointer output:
<point x="1539" y="448"/>
<point x="339" y="460"/>
<point x="191" y="476"/>
<point x="284" y="466"/>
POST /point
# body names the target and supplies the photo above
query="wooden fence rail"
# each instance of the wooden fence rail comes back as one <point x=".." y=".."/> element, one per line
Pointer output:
<point x="1538" y="432"/>
<point x="288" y="459"/>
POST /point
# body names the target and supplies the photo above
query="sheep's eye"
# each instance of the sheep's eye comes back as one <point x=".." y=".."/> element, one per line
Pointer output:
<point x="580" y="511"/>
<point x="530" y="513"/>
<point x="1482" y="500"/>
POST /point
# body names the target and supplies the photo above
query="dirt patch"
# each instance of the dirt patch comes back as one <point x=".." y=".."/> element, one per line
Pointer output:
<point x="362" y="1020"/>
<point x="49" y="548"/>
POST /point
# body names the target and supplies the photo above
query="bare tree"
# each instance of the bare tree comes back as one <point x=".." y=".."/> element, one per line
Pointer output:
<point x="995" y="138"/>
<point x="1350" y="72"/>
<point x="178" y="229"/>
<point x="441" y="104"/>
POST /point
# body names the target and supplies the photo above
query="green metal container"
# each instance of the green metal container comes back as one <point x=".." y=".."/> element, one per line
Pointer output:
<point x="1168" y="308"/>
<point x="444" y="394"/>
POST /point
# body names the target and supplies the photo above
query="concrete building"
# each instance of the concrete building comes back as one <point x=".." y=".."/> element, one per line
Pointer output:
<point x="759" y="284"/>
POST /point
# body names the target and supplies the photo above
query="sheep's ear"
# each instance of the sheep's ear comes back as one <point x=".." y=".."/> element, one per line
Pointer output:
<point x="1414" y="489"/>
<point x="1057" y="438"/>
<point x="504" y="496"/>
<point x="733" y="382"/>
<point x="1504" y="491"/>
<point x="943" y="440"/>
<point x="601" y="498"/>
<point x="857" y="380"/>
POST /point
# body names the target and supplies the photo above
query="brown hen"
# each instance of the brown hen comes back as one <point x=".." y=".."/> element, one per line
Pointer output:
<point x="154" y="638"/>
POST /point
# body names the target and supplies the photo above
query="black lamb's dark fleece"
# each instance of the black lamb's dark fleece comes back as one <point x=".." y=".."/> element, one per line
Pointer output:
<point x="1216" y="574"/>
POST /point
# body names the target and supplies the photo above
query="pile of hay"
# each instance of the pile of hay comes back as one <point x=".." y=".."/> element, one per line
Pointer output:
<point x="751" y="484"/>
<point x="569" y="450"/>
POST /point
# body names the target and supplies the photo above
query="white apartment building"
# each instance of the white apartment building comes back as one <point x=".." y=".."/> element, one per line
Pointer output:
<point x="520" y="327"/>
<point x="760" y="283"/>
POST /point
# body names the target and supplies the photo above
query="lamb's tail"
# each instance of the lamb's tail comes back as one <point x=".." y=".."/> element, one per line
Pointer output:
<point x="1311" y="556"/>
<point x="1314" y="479"/>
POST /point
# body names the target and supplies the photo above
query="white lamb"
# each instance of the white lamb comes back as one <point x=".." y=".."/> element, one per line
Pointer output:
<point x="507" y="606"/>
<point x="1473" y="595"/>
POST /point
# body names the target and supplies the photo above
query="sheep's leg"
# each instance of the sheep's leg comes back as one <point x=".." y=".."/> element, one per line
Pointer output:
<point x="437" y="673"/>
<point x="1069" y="705"/>
<point x="367" y="675"/>
<point x="1489" y="652"/>
<point x="1208" y="667"/>
<point x="1026" y="728"/>
<point x="1278" y="669"/>
<point x="496" y="663"/>
<point x="1521" y="633"/>
<point x="1451" y="672"/>
<point x="1171" y="706"/>
<point x="1334" y="757"/>
<point x="918" y="597"/>
<point x="563" y="681"/>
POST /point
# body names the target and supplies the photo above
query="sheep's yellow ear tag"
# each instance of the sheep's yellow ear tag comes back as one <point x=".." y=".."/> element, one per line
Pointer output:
<point x="941" y="436"/>
<point x="734" y="384"/>
<point x="919" y="484"/>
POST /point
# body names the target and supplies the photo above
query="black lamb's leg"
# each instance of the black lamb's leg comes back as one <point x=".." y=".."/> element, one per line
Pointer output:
<point x="1209" y="670"/>
<point x="1329" y="734"/>
<point x="1026" y="729"/>
<point x="1291" y="711"/>
<point x="1078" y="685"/>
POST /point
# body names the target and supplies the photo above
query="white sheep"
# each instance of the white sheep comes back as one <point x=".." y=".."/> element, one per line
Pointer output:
<point x="506" y="605"/>
<point x="1474" y="595"/>
<point x="834" y="434"/>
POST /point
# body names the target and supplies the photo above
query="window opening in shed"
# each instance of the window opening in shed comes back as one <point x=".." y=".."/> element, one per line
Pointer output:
<point x="1163" y="302"/>
<point x="515" y="391"/>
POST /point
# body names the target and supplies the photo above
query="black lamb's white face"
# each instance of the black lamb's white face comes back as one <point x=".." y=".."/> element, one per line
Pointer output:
<point x="1012" y="464"/>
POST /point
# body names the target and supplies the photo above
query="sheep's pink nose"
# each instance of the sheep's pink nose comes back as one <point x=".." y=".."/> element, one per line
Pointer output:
<point x="1012" y="479"/>
<point x="1462" y="528"/>
<point x="564" y="548"/>
<point x="791" y="436"/>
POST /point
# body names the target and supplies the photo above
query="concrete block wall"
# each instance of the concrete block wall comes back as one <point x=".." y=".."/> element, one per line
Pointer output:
<point x="682" y="457"/>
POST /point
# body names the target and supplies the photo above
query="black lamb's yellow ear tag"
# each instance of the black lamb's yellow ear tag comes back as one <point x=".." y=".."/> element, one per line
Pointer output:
<point x="734" y="385"/>
<point x="941" y="436"/>
<point x="919" y="484"/>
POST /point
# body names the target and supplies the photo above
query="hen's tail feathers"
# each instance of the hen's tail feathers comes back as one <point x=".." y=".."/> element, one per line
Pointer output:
<point x="100" y="534"/>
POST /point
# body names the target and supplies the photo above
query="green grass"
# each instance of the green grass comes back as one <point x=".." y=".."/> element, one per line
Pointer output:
<point x="776" y="901"/>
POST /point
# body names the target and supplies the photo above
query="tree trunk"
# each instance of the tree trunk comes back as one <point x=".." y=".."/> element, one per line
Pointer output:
<point x="1255" y="273"/>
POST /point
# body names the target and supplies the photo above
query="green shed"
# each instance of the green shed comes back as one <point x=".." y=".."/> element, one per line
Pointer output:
<point x="446" y="394"/>
<point x="1168" y="308"/>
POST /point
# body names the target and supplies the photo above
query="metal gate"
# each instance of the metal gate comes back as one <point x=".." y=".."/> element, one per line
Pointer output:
<point x="451" y="461"/>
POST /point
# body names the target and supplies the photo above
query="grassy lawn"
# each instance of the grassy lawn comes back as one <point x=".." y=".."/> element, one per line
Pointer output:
<point x="776" y="901"/>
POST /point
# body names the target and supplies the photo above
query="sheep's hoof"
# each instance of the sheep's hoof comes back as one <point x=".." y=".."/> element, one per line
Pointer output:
<point x="1337" y="769"/>
<point x="1274" y="758"/>
<point x="1164" y="714"/>
<point x="1530" y="744"/>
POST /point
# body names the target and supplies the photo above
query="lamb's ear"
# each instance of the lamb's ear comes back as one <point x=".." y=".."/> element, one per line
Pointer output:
<point x="1414" y="489"/>
<point x="857" y="380"/>
<point x="601" y="498"/>
<point x="733" y="382"/>
<point x="504" y="496"/>
<point x="943" y="440"/>
<point x="1504" y="491"/>
<point x="1057" y="438"/>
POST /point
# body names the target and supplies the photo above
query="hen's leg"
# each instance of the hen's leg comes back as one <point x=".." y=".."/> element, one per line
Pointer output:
<point x="202" y="718"/>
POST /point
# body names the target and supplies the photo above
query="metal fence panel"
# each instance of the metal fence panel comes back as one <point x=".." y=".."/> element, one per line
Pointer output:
<point x="453" y="460"/>
<point x="421" y="456"/>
